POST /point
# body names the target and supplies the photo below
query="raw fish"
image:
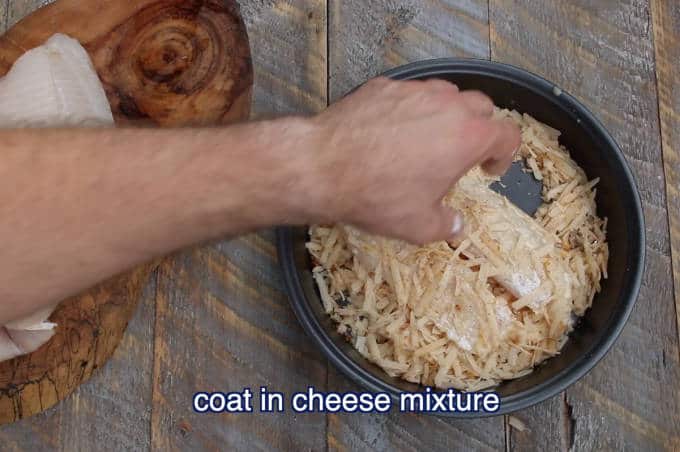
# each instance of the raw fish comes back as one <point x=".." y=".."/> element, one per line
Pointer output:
<point x="54" y="85"/>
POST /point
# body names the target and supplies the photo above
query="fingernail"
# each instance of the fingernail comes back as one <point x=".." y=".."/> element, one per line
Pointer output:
<point x="457" y="226"/>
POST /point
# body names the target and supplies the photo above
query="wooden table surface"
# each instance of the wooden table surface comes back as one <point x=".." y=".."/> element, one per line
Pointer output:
<point x="217" y="318"/>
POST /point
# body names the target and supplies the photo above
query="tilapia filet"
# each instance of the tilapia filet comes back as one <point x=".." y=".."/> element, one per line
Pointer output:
<point x="524" y="254"/>
<point x="54" y="85"/>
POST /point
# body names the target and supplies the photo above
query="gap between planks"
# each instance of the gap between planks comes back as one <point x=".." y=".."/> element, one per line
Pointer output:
<point x="155" y="363"/>
<point x="506" y="417"/>
<point x="666" y="52"/>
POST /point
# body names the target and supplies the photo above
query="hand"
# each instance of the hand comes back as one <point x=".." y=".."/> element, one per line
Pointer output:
<point x="388" y="153"/>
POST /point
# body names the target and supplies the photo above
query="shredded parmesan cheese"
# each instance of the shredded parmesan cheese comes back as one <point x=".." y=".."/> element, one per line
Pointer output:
<point x="468" y="315"/>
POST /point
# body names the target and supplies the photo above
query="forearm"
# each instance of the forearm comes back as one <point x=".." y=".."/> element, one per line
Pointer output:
<point x="79" y="206"/>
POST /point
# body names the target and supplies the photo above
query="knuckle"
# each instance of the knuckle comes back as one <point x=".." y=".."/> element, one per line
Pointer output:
<point x="481" y="100"/>
<point x="515" y="132"/>
<point x="410" y="85"/>
<point x="509" y="133"/>
<point x="447" y="94"/>
<point x="475" y="127"/>
<point x="440" y="83"/>
<point x="477" y="94"/>
<point x="379" y="80"/>
<point x="376" y="83"/>
<point x="486" y="102"/>
<point x="478" y="132"/>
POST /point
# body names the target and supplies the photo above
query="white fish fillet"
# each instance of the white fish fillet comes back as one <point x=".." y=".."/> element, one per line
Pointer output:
<point x="502" y="230"/>
<point x="54" y="85"/>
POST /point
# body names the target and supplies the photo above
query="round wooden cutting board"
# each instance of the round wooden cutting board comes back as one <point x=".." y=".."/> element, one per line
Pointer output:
<point x="163" y="63"/>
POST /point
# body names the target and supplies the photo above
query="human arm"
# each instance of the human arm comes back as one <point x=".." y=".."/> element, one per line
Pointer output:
<point x="77" y="206"/>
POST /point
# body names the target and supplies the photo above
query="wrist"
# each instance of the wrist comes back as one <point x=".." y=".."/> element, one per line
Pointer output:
<point x="280" y="181"/>
<point x="280" y="173"/>
<point x="301" y="186"/>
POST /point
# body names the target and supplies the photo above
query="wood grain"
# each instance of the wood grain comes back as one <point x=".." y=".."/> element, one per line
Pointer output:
<point x="89" y="328"/>
<point x="162" y="62"/>
<point x="666" y="20"/>
<point x="112" y="411"/>
<point x="289" y="42"/>
<point x="223" y="326"/>
<point x="367" y="38"/>
<point x="407" y="432"/>
<point x="223" y="320"/>
<point x="550" y="422"/>
<point x="603" y="53"/>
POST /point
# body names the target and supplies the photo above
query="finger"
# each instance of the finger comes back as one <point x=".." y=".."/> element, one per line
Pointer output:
<point x="478" y="103"/>
<point x="498" y="167"/>
<point x="431" y="86"/>
<point x="442" y="223"/>
<point x="504" y="144"/>
<point x="438" y="84"/>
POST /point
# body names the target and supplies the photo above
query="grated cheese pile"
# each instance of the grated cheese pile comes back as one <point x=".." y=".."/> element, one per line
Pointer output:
<point x="468" y="315"/>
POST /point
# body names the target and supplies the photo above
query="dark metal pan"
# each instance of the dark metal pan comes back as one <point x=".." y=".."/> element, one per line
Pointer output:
<point x="617" y="199"/>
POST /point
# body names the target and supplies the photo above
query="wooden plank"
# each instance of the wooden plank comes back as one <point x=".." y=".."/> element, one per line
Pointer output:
<point x="224" y="324"/>
<point x="112" y="411"/>
<point x="367" y="38"/>
<point x="547" y="423"/>
<point x="602" y="52"/>
<point x="666" y="21"/>
<point x="288" y="39"/>
<point x="407" y="432"/>
<point x="223" y="320"/>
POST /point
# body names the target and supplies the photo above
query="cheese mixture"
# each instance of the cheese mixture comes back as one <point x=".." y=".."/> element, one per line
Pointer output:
<point x="488" y="308"/>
